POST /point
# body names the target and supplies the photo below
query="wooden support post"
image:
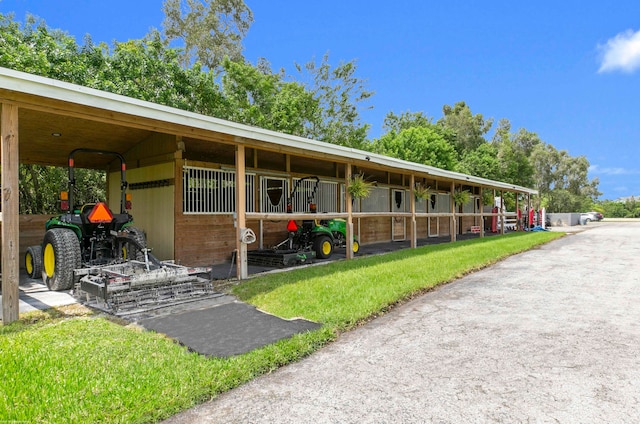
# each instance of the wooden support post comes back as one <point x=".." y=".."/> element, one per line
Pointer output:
<point x="412" y="195"/>
<point x="481" y="217"/>
<point x="453" y="213"/>
<point x="348" y="203"/>
<point x="503" y="218"/>
<point x="518" y="224"/>
<point x="242" y="271"/>
<point x="10" y="218"/>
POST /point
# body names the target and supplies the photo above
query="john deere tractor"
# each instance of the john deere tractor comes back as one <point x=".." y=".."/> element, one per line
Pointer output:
<point x="316" y="235"/>
<point x="85" y="235"/>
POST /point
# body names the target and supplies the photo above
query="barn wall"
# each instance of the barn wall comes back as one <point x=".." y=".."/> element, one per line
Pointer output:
<point x="152" y="190"/>
<point x="204" y="239"/>
<point x="374" y="229"/>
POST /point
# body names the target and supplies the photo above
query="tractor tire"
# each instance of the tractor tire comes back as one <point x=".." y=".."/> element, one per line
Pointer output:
<point x="323" y="247"/>
<point x="131" y="251"/>
<point x="61" y="255"/>
<point x="356" y="246"/>
<point x="33" y="261"/>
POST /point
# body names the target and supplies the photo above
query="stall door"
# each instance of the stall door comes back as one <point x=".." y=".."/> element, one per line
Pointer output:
<point x="398" y="224"/>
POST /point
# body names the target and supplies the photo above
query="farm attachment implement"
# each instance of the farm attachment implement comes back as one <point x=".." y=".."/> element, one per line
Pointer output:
<point x="103" y="257"/>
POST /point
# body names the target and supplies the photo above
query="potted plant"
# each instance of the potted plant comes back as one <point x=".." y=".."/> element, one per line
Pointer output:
<point x="460" y="197"/>
<point x="358" y="187"/>
<point x="421" y="192"/>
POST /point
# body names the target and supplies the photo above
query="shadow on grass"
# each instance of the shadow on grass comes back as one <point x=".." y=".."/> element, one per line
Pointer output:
<point x="29" y="320"/>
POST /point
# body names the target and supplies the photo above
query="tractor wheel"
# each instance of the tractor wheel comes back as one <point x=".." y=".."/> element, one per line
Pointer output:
<point x="323" y="247"/>
<point x="33" y="261"/>
<point x="60" y="257"/>
<point x="356" y="246"/>
<point x="130" y="250"/>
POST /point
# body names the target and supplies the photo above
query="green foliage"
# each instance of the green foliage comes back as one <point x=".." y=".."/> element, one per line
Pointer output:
<point x="394" y="123"/>
<point x="481" y="162"/>
<point x="321" y="102"/>
<point x="562" y="180"/>
<point x="339" y="94"/>
<point x="468" y="128"/>
<point x="209" y="29"/>
<point x="358" y="187"/>
<point x="256" y="96"/>
<point x="630" y="208"/>
<point x="461" y="197"/>
<point x="424" y="145"/>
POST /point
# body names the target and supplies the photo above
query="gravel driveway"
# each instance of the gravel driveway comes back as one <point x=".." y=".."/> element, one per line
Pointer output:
<point x="551" y="335"/>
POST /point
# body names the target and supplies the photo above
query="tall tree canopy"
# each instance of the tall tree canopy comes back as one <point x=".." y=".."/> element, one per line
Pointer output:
<point x="419" y="144"/>
<point x="210" y="30"/>
<point x="469" y="129"/>
<point x="320" y="101"/>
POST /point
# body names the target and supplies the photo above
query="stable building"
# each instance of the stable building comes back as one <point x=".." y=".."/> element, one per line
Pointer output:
<point x="183" y="169"/>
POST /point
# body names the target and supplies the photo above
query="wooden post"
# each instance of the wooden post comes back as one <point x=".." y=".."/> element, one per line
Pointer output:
<point x="414" y="230"/>
<point x="518" y="225"/>
<point x="481" y="217"/>
<point x="453" y="212"/>
<point x="10" y="218"/>
<point x="348" y="204"/>
<point x="242" y="271"/>
<point x="502" y="215"/>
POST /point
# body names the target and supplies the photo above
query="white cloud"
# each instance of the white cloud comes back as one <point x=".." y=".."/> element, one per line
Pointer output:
<point x="613" y="171"/>
<point x="621" y="52"/>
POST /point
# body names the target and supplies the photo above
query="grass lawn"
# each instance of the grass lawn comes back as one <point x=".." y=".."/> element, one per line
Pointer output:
<point x="69" y="365"/>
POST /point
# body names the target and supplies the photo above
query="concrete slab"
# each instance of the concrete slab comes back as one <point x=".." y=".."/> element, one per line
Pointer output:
<point x="34" y="295"/>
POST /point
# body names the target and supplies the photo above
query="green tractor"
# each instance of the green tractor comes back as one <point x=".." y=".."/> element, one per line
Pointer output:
<point x="317" y="235"/>
<point x="85" y="236"/>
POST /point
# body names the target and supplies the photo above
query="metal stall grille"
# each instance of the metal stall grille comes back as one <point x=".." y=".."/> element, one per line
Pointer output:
<point x="213" y="191"/>
<point x="326" y="196"/>
<point x="273" y="194"/>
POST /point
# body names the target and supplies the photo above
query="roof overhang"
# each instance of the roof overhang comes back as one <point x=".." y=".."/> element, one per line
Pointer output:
<point x="46" y="95"/>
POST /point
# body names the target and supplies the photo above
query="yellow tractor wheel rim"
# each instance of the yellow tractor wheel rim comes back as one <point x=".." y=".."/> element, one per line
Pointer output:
<point x="29" y="263"/>
<point x="326" y="247"/>
<point x="49" y="259"/>
<point x="356" y="247"/>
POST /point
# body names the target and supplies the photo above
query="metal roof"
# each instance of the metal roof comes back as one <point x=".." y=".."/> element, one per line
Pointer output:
<point x="42" y="87"/>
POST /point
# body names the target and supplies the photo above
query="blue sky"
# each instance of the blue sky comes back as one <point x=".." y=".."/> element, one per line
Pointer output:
<point x="568" y="71"/>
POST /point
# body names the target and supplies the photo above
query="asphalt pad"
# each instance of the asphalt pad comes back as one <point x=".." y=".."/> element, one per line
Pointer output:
<point x="227" y="329"/>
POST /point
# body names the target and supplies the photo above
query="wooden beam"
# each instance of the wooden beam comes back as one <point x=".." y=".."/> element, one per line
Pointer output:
<point x="480" y="212"/>
<point x="452" y="229"/>
<point x="412" y="195"/>
<point x="241" y="214"/>
<point x="10" y="218"/>
<point x="348" y="199"/>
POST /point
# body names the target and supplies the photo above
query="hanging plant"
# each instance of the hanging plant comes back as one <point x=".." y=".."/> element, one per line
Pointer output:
<point x="358" y="187"/>
<point x="461" y="197"/>
<point x="421" y="192"/>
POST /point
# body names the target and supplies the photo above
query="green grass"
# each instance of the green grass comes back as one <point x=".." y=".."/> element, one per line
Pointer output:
<point x="61" y="367"/>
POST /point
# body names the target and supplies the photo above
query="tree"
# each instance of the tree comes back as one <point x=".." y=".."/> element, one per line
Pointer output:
<point x="562" y="180"/>
<point x="209" y="29"/>
<point x="481" y="162"/>
<point x="468" y="128"/>
<point x="256" y="96"/>
<point x="406" y="120"/>
<point x="418" y="144"/>
<point x="339" y="94"/>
